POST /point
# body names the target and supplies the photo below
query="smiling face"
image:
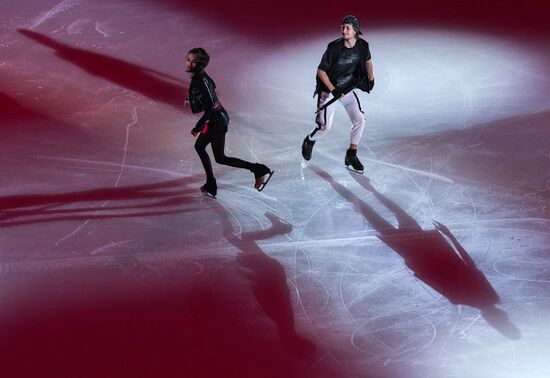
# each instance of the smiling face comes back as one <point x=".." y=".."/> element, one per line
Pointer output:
<point x="191" y="62"/>
<point x="348" y="32"/>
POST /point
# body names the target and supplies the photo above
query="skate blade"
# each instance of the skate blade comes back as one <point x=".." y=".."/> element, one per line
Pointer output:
<point x="264" y="183"/>
<point x="206" y="194"/>
<point x="354" y="171"/>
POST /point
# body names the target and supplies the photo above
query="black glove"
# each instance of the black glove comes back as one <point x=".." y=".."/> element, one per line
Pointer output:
<point x="337" y="92"/>
<point x="371" y="84"/>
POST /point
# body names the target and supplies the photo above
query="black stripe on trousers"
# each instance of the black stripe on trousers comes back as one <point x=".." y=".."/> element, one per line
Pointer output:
<point x="358" y="102"/>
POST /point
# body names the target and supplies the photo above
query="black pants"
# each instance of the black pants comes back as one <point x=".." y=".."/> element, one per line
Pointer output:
<point x="217" y="139"/>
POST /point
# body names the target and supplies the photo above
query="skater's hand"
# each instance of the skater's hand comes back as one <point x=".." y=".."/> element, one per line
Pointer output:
<point x="199" y="128"/>
<point x="337" y="92"/>
<point x="186" y="102"/>
<point x="371" y="84"/>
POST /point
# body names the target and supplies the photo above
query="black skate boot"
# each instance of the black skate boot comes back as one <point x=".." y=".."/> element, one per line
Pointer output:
<point x="210" y="189"/>
<point x="351" y="158"/>
<point x="262" y="174"/>
<point x="307" y="148"/>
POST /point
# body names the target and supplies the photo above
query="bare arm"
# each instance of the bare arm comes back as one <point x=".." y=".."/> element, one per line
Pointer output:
<point x="324" y="78"/>
<point x="370" y="69"/>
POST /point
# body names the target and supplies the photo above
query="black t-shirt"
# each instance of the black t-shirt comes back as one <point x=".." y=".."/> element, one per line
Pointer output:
<point x="341" y="63"/>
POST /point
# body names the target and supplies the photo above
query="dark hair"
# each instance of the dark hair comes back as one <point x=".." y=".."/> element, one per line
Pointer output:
<point x="202" y="57"/>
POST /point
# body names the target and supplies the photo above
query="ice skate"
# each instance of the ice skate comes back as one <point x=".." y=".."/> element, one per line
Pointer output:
<point x="262" y="174"/>
<point x="353" y="160"/>
<point x="210" y="189"/>
<point x="307" y="148"/>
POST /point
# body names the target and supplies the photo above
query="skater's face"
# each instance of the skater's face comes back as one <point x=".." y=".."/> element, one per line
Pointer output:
<point x="191" y="62"/>
<point x="348" y="32"/>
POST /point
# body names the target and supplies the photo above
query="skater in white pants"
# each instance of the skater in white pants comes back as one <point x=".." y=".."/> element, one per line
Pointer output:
<point x="346" y="65"/>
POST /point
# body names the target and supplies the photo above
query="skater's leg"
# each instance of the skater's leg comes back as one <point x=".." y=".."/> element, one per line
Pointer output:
<point x="218" y="148"/>
<point x="202" y="141"/>
<point x="353" y="107"/>
<point x="200" y="146"/>
<point x="323" y="122"/>
<point x="356" y="116"/>
<point x="262" y="173"/>
<point x="352" y="159"/>
<point x="324" y="118"/>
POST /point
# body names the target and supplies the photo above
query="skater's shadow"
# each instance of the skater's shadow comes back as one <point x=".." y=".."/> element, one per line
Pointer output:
<point x="167" y="197"/>
<point x="153" y="84"/>
<point x="11" y="110"/>
<point x="445" y="267"/>
<point x="22" y="128"/>
<point x="268" y="280"/>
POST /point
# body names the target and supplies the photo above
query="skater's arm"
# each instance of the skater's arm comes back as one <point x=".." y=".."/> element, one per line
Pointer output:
<point x="209" y="102"/>
<point x="370" y="70"/>
<point x="324" y="78"/>
<point x="370" y="73"/>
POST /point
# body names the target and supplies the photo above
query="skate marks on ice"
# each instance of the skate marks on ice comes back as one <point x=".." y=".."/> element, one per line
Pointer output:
<point x="99" y="166"/>
<point x="444" y="266"/>
<point x="311" y="296"/>
<point x="267" y="277"/>
<point x="304" y="294"/>
<point x="199" y="304"/>
<point x="431" y="175"/>
<point x="58" y="8"/>
<point x="120" y="171"/>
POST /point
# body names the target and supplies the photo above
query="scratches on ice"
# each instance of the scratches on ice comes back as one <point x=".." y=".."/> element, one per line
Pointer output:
<point x="60" y="7"/>
<point x="122" y="164"/>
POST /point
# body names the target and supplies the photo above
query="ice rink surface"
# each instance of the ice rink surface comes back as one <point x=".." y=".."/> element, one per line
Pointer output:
<point x="434" y="263"/>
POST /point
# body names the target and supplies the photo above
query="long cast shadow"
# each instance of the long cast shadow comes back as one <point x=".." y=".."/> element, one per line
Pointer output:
<point x="12" y="110"/>
<point x="165" y="197"/>
<point x="21" y="126"/>
<point x="445" y="267"/>
<point x="153" y="84"/>
<point x="268" y="279"/>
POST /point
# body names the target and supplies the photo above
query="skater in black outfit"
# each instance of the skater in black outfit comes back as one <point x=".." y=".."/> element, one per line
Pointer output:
<point x="345" y="66"/>
<point x="212" y="126"/>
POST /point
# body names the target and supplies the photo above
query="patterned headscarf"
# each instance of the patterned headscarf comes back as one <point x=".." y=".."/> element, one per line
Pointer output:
<point x="353" y="21"/>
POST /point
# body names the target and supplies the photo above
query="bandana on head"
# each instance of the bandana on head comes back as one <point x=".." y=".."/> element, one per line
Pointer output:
<point x="353" y="21"/>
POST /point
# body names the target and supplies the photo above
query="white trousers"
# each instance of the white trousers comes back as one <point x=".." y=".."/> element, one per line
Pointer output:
<point x="325" y="117"/>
